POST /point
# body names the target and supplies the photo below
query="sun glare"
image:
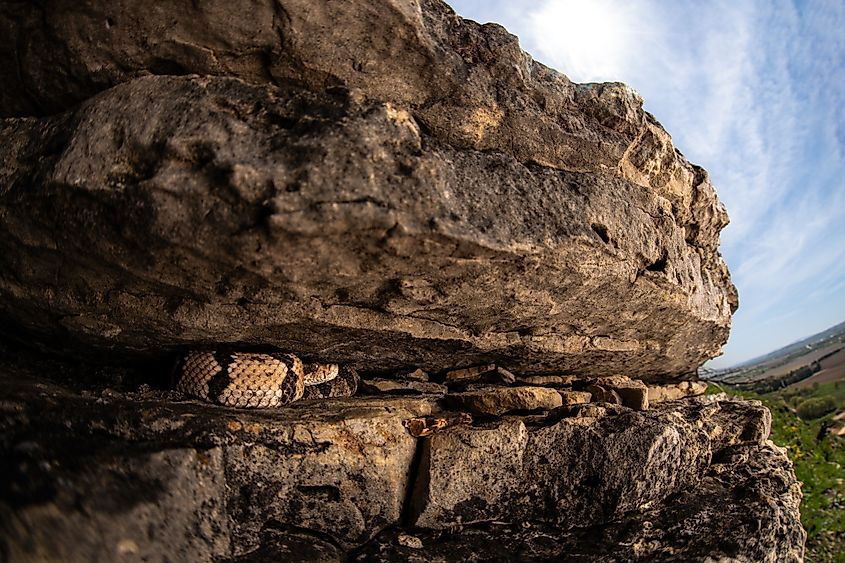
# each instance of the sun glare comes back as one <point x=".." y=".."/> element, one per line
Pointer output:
<point x="588" y="40"/>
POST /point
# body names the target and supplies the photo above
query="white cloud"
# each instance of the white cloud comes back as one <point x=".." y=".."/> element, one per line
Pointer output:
<point x="591" y="40"/>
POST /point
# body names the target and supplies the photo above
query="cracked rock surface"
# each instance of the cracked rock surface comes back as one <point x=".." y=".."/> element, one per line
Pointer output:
<point x="416" y="194"/>
<point x="744" y="508"/>
<point x="142" y="474"/>
<point x="339" y="229"/>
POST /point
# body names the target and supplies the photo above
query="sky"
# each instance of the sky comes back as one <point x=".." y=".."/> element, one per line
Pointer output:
<point x="753" y="91"/>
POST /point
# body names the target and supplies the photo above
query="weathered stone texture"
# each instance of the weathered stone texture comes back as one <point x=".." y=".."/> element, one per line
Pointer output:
<point x="580" y="237"/>
<point x="114" y="506"/>
<point x="241" y="213"/>
<point x="578" y="471"/>
<point x="404" y="190"/>
<point x="745" y="508"/>
<point x="343" y="477"/>
<point x="153" y="477"/>
<point x="93" y="475"/>
<point x="469" y="84"/>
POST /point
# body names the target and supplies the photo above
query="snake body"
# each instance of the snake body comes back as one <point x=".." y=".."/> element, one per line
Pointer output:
<point x="260" y="380"/>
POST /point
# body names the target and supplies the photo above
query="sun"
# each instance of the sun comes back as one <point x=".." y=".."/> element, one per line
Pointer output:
<point x="589" y="40"/>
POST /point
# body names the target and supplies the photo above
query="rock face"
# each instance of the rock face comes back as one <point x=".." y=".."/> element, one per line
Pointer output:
<point x="572" y="472"/>
<point x="99" y="475"/>
<point x="382" y="204"/>
<point x="142" y="474"/>
<point x="505" y="255"/>
<point x="744" y="508"/>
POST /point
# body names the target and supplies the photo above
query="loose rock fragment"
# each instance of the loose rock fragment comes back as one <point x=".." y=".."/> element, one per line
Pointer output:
<point x="659" y="393"/>
<point x="467" y="375"/>
<point x="501" y="400"/>
<point x="423" y="426"/>
<point x="417" y="375"/>
<point x="575" y="397"/>
<point x="548" y="380"/>
<point x="382" y="386"/>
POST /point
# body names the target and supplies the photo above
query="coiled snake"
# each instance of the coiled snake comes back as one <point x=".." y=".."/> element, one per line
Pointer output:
<point x="260" y="380"/>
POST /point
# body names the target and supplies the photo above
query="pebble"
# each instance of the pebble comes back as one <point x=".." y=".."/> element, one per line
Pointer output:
<point x="409" y="541"/>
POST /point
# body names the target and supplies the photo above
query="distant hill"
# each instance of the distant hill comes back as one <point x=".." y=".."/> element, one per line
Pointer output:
<point x="794" y="347"/>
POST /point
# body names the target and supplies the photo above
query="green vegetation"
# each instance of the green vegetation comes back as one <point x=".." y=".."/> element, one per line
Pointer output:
<point x="798" y="417"/>
<point x="815" y="407"/>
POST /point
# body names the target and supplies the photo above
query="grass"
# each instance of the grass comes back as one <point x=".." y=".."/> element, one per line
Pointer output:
<point x="819" y="461"/>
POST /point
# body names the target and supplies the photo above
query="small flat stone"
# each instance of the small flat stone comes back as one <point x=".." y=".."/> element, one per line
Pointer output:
<point x="660" y="393"/>
<point x="417" y="375"/>
<point x="544" y="380"/>
<point x="469" y="374"/>
<point x="385" y="386"/>
<point x="502" y="400"/>
<point x="575" y="397"/>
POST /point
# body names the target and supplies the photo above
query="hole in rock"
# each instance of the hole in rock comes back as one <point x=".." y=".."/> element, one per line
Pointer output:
<point x="282" y="121"/>
<point x="691" y="233"/>
<point x="167" y="67"/>
<point x="660" y="264"/>
<point x="601" y="231"/>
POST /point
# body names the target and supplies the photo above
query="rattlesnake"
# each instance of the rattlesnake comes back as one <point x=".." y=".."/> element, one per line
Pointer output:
<point x="260" y="380"/>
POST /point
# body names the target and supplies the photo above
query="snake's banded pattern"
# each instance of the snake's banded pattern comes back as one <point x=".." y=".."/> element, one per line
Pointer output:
<point x="260" y="380"/>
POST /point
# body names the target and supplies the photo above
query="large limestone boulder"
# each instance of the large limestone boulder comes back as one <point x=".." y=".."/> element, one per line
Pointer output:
<point x="418" y="193"/>
<point x="744" y="508"/>
<point x="338" y="229"/>
<point x="580" y="470"/>
<point x="468" y="84"/>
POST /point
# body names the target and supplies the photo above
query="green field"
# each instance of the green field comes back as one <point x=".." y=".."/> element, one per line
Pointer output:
<point x="819" y="459"/>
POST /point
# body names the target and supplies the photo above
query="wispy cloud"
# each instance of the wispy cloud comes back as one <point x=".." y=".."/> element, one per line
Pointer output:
<point x="755" y="92"/>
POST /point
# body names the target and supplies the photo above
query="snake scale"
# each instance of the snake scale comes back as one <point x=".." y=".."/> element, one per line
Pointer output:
<point x="260" y="380"/>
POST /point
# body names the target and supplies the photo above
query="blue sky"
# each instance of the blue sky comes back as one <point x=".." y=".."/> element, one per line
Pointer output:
<point x="754" y="91"/>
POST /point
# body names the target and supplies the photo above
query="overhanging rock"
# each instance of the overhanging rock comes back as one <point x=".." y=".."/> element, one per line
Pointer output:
<point x="336" y="228"/>
<point x="421" y="181"/>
